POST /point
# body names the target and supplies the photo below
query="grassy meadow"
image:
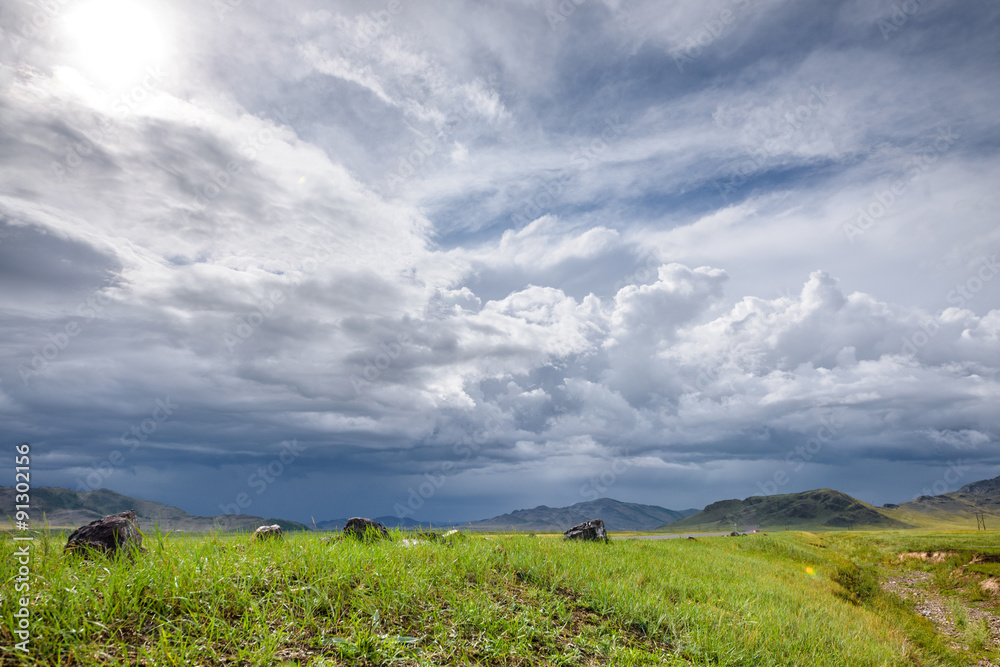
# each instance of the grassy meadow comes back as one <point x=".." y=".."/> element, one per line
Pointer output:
<point x="792" y="598"/>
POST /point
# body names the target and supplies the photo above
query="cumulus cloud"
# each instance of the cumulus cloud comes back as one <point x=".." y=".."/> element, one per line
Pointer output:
<point x="503" y="250"/>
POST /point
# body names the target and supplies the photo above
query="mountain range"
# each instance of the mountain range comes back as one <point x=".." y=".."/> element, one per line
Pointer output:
<point x="827" y="509"/>
<point x="616" y="515"/>
<point x="387" y="521"/>
<point x="65" y="508"/>
<point x="820" y="509"/>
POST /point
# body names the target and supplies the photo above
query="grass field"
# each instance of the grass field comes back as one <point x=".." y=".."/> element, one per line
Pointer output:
<point x="778" y="599"/>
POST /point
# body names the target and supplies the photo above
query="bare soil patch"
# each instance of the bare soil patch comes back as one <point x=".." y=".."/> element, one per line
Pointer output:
<point x="919" y="587"/>
<point x="928" y="556"/>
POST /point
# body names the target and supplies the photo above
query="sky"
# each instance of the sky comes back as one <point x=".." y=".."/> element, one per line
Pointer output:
<point x="448" y="259"/>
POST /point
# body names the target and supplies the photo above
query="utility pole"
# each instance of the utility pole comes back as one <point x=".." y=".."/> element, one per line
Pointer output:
<point x="980" y="521"/>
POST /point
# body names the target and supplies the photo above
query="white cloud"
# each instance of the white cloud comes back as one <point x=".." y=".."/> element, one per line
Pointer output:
<point x="598" y="250"/>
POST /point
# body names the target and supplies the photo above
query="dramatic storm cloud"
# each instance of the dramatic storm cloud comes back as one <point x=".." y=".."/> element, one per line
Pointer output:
<point x="449" y="259"/>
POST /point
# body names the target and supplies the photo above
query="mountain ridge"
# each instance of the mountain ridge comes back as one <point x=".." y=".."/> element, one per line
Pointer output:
<point x="957" y="507"/>
<point x="62" y="507"/>
<point x="818" y="508"/>
<point x="616" y="514"/>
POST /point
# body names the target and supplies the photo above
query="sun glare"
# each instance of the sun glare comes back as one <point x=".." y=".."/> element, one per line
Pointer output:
<point x="114" y="41"/>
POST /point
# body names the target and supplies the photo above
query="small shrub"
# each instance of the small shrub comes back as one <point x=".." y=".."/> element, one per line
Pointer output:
<point x="860" y="584"/>
<point x="959" y="614"/>
<point x="978" y="635"/>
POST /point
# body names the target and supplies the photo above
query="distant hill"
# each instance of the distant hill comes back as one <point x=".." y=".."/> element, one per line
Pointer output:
<point x="65" y="508"/>
<point x="617" y="515"/>
<point x="819" y="509"/>
<point x="954" y="510"/>
<point x="387" y="521"/>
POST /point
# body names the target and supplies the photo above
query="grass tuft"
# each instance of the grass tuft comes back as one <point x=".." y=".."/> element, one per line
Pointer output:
<point x="860" y="584"/>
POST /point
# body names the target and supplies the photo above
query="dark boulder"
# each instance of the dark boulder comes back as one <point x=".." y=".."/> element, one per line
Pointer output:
<point x="268" y="532"/>
<point x="588" y="530"/>
<point x="365" y="529"/>
<point x="111" y="535"/>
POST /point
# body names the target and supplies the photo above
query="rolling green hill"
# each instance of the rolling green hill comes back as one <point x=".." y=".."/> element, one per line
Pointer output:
<point x="617" y="515"/>
<point x="65" y="508"/>
<point x="821" y="509"/>
<point x="953" y="510"/>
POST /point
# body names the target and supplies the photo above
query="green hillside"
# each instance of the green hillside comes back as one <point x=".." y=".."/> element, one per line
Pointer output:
<point x="617" y="515"/>
<point x="955" y="510"/>
<point x="821" y="509"/>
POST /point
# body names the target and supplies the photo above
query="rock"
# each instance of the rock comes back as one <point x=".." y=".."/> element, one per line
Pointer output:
<point x="407" y="542"/>
<point x="268" y="532"/>
<point x="592" y="530"/>
<point x="452" y="537"/>
<point x="113" y="534"/>
<point x="365" y="529"/>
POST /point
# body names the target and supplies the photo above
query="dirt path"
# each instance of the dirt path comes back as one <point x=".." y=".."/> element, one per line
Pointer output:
<point x="915" y="585"/>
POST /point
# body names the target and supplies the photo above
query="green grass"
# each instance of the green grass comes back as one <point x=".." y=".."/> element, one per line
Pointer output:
<point x="959" y="614"/>
<point x="977" y="634"/>
<point x="787" y="599"/>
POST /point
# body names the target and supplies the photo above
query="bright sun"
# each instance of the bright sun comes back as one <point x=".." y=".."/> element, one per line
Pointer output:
<point x="115" y="40"/>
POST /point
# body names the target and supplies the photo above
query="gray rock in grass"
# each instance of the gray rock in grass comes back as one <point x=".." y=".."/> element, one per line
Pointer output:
<point x="592" y="530"/>
<point x="273" y="531"/>
<point x="114" y="534"/>
<point x="365" y="529"/>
